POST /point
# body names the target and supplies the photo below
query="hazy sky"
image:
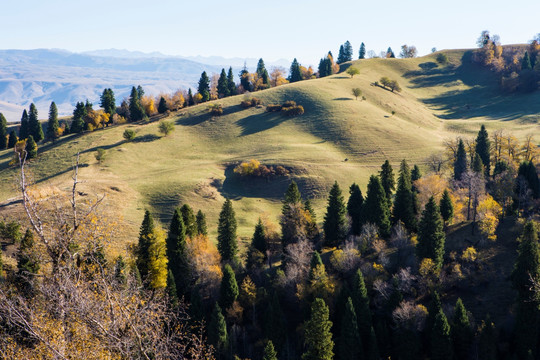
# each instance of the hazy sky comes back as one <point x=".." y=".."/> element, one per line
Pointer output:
<point x="269" y="29"/>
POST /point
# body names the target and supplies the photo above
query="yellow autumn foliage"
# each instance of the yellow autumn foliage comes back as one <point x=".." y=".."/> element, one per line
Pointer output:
<point x="157" y="269"/>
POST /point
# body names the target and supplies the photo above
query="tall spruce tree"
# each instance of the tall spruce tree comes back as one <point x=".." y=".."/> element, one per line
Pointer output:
<point x="403" y="203"/>
<point x="190" y="221"/>
<point x="350" y="344"/>
<point x="387" y="180"/>
<point x="335" y="225"/>
<point x="177" y="254"/>
<point x="28" y="264"/>
<point x="108" y="102"/>
<point x="431" y="234"/>
<point x="34" y="126"/>
<point x="190" y="99"/>
<point x="202" y="229"/>
<point x="31" y="147"/>
<point x="482" y="148"/>
<point x="227" y="245"/>
<point x="415" y="174"/>
<point x="295" y="74"/>
<point x="274" y="322"/>
<point x="12" y="139"/>
<point x="3" y="132"/>
<point x="354" y="208"/>
<point x="487" y="342"/>
<point x="258" y="241"/>
<point x="477" y="166"/>
<point x="228" y="292"/>
<point x="362" y="51"/>
<point x="526" y="62"/>
<point x="318" y="337"/>
<point x="441" y="343"/>
<point x="527" y="171"/>
<point x="447" y="207"/>
<point x="375" y="209"/>
<point x="217" y="330"/>
<point x="223" y="85"/>
<point x="52" y="124"/>
<point x="462" y="333"/>
<point x="263" y="73"/>
<point x="162" y="106"/>
<point x="77" y="124"/>
<point x="230" y="82"/>
<point x="143" y="247"/>
<point x="360" y="300"/>
<point x="460" y="164"/>
<point x="136" y="110"/>
<point x="269" y="351"/>
<point x="24" y="130"/>
<point x="204" y="87"/>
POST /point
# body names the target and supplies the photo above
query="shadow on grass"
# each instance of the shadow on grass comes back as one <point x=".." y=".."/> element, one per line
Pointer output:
<point x="104" y="147"/>
<point x="260" y="122"/>
<point x="68" y="170"/>
<point x="144" y="138"/>
<point x="192" y="120"/>
<point x="342" y="99"/>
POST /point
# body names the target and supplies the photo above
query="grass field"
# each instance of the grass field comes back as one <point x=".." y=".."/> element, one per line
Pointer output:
<point x="338" y="138"/>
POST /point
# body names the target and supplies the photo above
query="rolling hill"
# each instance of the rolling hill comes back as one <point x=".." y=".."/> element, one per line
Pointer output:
<point x="337" y="139"/>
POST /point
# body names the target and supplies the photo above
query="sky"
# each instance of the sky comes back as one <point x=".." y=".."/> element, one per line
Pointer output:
<point x="272" y="30"/>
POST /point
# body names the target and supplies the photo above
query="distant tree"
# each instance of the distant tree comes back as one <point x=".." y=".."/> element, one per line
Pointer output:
<point x="362" y="51"/>
<point x="462" y="332"/>
<point x="108" y="102"/>
<point x="3" y="132"/>
<point x="356" y="92"/>
<point x="12" y="139"/>
<point x="204" y="87"/>
<point x="140" y="92"/>
<point x="354" y="208"/>
<point x="389" y="53"/>
<point x="129" y="134"/>
<point x="263" y="73"/>
<point x="52" y="124"/>
<point x="227" y="244"/>
<point x="136" y="109"/>
<point x="24" y="130"/>
<point x="483" y="145"/>
<point x="162" y="107"/>
<point x="230" y="82"/>
<point x="527" y="172"/>
<point x="295" y="74"/>
<point x="269" y="351"/>
<point x="477" y="166"/>
<point x="394" y="87"/>
<point x="442" y="58"/>
<point x="441" y="343"/>
<point x="157" y="265"/>
<point x="292" y="195"/>
<point x="350" y="343"/>
<point x="360" y="301"/>
<point x="165" y="127"/>
<point x="190" y="220"/>
<point x="431" y="235"/>
<point x="228" y="292"/>
<point x="408" y="51"/>
<point x="217" y="330"/>
<point x="31" y="148"/>
<point x="345" y="53"/>
<point x="223" y="85"/>
<point x="387" y="179"/>
<point x="244" y="79"/>
<point x="375" y="208"/>
<point x="403" y="209"/>
<point x="318" y="337"/>
<point x="34" y="126"/>
<point x="201" y="223"/>
<point x="352" y="71"/>
<point x="335" y="226"/>
<point x="447" y="207"/>
<point x="190" y="99"/>
<point x="258" y="241"/>
<point x="177" y="254"/>
<point x="460" y="165"/>
<point x="526" y="62"/>
<point x="325" y="67"/>
<point x="415" y="173"/>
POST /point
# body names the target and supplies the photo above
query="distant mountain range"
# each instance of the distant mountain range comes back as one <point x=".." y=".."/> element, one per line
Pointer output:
<point x="44" y="75"/>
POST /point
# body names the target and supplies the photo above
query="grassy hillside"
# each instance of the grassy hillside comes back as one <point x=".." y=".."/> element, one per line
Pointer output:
<point x="338" y="138"/>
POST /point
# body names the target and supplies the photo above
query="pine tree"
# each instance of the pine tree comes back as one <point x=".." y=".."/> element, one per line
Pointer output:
<point x="31" y="147"/>
<point x="362" y="51"/>
<point x="527" y="170"/>
<point x="162" y="107"/>
<point x="77" y="125"/>
<point x="482" y="148"/>
<point x="3" y="132"/>
<point x="318" y="337"/>
<point x="258" y="241"/>
<point x="190" y="221"/>
<point x="191" y="102"/>
<point x="341" y="55"/>
<point x="350" y="344"/>
<point x="223" y="85"/>
<point x="140" y="92"/>
<point x="335" y="228"/>
<point x="295" y="73"/>
<point x="12" y="139"/>
<point x="171" y="288"/>
<point x="52" y="125"/>
<point x="415" y="173"/>
<point x="462" y="334"/>
<point x="477" y="166"/>
<point x="431" y="235"/>
<point x="217" y="330"/>
<point x="390" y="53"/>
<point x="487" y="342"/>
<point x="228" y="292"/>
<point x="245" y="83"/>
<point x="108" y="102"/>
<point x="143" y="247"/>
<point x="354" y="208"/>
<point x="201" y="223"/>
<point x="441" y="344"/>
<point x="387" y="179"/>
<point x="403" y="203"/>
<point x="227" y="245"/>
<point x="292" y="195"/>
<point x="526" y="62"/>
<point x="269" y="351"/>
<point x="34" y="126"/>
<point x="375" y="209"/>
<point x="204" y="87"/>
<point x="274" y="322"/>
<point x="28" y="263"/>
<point x="361" y="306"/>
<point x="24" y="130"/>
<point x="230" y="82"/>
<point x="263" y="73"/>
<point x="447" y="207"/>
<point x="136" y="110"/>
<point x="460" y="165"/>
<point x="314" y="262"/>
<point x="309" y="208"/>
<point x="177" y="253"/>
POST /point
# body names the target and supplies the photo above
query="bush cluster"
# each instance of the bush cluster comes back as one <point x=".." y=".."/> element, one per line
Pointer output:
<point x="250" y="102"/>
<point x="288" y="108"/>
<point x="216" y="109"/>
<point x="256" y="169"/>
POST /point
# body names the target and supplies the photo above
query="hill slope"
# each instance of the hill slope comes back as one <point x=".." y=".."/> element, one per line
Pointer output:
<point x="338" y="138"/>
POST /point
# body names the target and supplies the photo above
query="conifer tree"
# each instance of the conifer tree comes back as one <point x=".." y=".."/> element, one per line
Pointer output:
<point x="230" y="82"/>
<point x="487" y="342"/>
<point x="262" y="72"/>
<point x="162" y="107"/>
<point x="318" y="337"/>
<point x="361" y="306"/>
<point x="387" y="179"/>
<point x="258" y="241"/>
<point x="227" y="245"/>
<point x="350" y="344"/>
<point x="28" y="263"/>
<point x="390" y="53"/>
<point x="295" y="73"/>
<point x="274" y="324"/>
<point x="477" y="166"/>
<point x="309" y="209"/>
<point x="435" y="306"/>
<point x="314" y="262"/>
<point x="191" y="102"/>
<point x="202" y="229"/>
<point x="52" y="124"/>
<point x="190" y="221"/>
<point x="136" y="110"/>
<point x="527" y="170"/>
<point x="223" y="85"/>
<point x="415" y="173"/>
<point x="462" y="334"/>
<point x="177" y="253"/>
<point x="441" y="344"/>
<point x="269" y="351"/>
<point x="447" y="207"/>
<point x="362" y="51"/>
<point x="204" y="87"/>
<point x="77" y="125"/>
<point x="292" y="195"/>
<point x="145" y="238"/>
<point x="171" y="288"/>
<point x="403" y="203"/>
<point x="431" y="235"/>
<point x="526" y="62"/>
<point x="34" y="126"/>
<point x="3" y="132"/>
<point x="375" y="208"/>
<point x="482" y="148"/>
<point x="217" y="330"/>
<point x="108" y="102"/>
<point x="334" y="226"/>
<point x="354" y="208"/>
<point x="12" y="139"/>
<point x="460" y="165"/>
<point x="245" y="83"/>
<point x="31" y="147"/>
<point x="228" y="292"/>
<point x="140" y="92"/>
<point x="24" y="130"/>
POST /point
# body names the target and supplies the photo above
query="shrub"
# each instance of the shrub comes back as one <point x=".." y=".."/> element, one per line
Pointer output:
<point x="442" y="58"/>
<point x="129" y="134"/>
<point x="289" y="103"/>
<point x="294" y="110"/>
<point x="100" y="155"/>
<point x="256" y="169"/>
<point x="216" y="109"/>
<point x="250" y="102"/>
<point x="165" y="127"/>
<point x="273" y="108"/>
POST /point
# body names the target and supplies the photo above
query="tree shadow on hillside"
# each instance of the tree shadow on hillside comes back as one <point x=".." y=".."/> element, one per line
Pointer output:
<point x="65" y="171"/>
<point x="342" y="99"/>
<point x="192" y="120"/>
<point x="260" y="122"/>
<point x="145" y="138"/>
<point x="104" y="147"/>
